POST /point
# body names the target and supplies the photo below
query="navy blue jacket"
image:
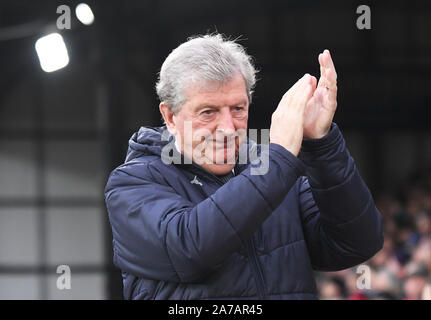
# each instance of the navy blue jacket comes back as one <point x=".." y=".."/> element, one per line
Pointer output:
<point x="254" y="237"/>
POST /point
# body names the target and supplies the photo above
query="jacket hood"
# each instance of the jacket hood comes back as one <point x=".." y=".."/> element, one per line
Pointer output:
<point x="148" y="141"/>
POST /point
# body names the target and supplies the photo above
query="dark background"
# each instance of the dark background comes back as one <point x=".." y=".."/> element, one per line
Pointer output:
<point x="61" y="133"/>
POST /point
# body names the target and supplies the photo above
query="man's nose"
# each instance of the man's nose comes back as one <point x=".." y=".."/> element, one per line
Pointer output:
<point x="226" y="125"/>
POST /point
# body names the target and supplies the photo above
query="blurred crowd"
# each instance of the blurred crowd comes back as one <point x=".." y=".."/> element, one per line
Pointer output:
<point x="402" y="269"/>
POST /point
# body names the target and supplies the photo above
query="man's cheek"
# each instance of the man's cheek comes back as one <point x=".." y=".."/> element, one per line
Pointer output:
<point x="241" y="135"/>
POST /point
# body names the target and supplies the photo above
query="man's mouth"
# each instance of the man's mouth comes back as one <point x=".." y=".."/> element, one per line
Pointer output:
<point x="224" y="144"/>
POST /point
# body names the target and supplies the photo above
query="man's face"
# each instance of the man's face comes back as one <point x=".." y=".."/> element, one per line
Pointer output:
<point x="212" y="124"/>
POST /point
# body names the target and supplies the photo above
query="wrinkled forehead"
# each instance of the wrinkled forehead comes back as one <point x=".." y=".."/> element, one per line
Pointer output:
<point x="227" y="93"/>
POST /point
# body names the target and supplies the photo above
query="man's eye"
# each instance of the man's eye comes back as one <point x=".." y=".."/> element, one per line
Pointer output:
<point x="208" y="112"/>
<point x="238" y="108"/>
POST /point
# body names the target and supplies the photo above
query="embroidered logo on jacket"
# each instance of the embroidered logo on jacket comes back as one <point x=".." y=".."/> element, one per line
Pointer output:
<point x="196" y="181"/>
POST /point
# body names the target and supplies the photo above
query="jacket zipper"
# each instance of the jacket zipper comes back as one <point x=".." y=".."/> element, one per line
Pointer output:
<point x="209" y="175"/>
<point x="258" y="275"/>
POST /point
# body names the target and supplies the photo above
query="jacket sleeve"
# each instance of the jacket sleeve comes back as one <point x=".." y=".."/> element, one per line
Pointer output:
<point x="341" y="224"/>
<point x="160" y="235"/>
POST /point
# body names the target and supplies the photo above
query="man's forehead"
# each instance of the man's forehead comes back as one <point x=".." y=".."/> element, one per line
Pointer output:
<point x="219" y="94"/>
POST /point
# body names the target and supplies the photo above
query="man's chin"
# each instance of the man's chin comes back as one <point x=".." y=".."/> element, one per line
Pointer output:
<point x="218" y="169"/>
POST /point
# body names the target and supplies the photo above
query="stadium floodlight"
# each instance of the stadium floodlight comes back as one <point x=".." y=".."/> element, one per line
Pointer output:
<point x="84" y="13"/>
<point x="52" y="52"/>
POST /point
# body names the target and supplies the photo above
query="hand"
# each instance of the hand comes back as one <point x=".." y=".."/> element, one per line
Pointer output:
<point x="321" y="107"/>
<point x="287" y="123"/>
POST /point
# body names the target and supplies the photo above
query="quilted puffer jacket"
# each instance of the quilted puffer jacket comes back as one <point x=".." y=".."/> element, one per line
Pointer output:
<point x="179" y="232"/>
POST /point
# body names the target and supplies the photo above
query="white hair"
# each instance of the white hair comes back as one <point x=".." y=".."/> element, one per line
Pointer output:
<point x="203" y="59"/>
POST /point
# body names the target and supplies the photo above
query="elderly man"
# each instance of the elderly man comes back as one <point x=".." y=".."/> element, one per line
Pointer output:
<point x="207" y="227"/>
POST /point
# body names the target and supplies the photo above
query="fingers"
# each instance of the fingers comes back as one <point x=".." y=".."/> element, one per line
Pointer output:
<point x="303" y="92"/>
<point x="298" y="84"/>
<point x="313" y="83"/>
<point x="328" y="74"/>
<point x="322" y="79"/>
<point x="327" y="60"/>
<point x="287" y="121"/>
<point x="298" y="88"/>
<point x="309" y="87"/>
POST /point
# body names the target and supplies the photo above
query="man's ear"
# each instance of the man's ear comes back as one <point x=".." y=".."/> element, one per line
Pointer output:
<point x="168" y="116"/>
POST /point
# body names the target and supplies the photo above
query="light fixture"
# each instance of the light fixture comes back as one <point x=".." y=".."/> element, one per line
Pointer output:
<point x="52" y="52"/>
<point x="84" y="13"/>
